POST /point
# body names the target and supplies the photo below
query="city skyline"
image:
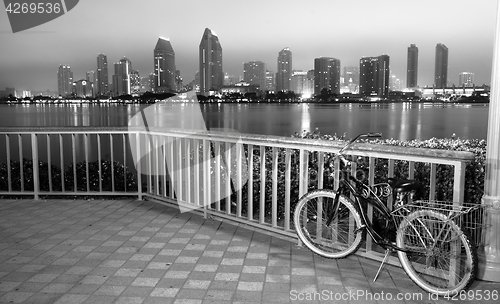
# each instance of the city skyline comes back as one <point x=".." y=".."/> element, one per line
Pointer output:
<point x="30" y="57"/>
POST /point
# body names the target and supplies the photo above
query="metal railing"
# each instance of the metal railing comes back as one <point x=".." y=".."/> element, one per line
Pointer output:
<point x="255" y="180"/>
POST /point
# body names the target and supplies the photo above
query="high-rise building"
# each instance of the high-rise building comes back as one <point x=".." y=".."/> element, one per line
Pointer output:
<point x="270" y="81"/>
<point x="90" y="77"/>
<point x="211" y="75"/>
<point x="441" y="66"/>
<point x="302" y="84"/>
<point x="254" y="72"/>
<point x="284" y="73"/>
<point x="326" y="75"/>
<point x="164" y="63"/>
<point x="178" y="81"/>
<point x="466" y="79"/>
<point x="135" y="82"/>
<point x="374" y="76"/>
<point x="82" y="88"/>
<point x="64" y="80"/>
<point x="102" y="80"/>
<point x="412" y="67"/>
<point x="121" y="78"/>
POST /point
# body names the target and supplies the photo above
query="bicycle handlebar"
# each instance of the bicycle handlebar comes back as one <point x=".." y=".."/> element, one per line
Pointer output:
<point x="367" y="135"/>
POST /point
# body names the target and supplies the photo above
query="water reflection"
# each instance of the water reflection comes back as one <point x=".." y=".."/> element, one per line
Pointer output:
<point x="403" y="121"/>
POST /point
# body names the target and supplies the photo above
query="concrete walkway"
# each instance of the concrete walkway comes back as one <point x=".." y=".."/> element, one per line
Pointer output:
<point x="128" y="251"/>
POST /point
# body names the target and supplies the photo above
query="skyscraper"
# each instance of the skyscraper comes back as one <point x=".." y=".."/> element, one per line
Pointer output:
<point x="90" y="77"/>
<point x="211" y="75"/>
<point x="64" y="81"/>
<point x="270" y="81"/>
<point x="121" y="78"/>
<point x="326" y="75"/>
<point x="412" y="67"/>
<point x="254" y="72"/>
<point x="374" y="76"/>
<point x="466" y="79"/>
<point x="102" y="80"/>
<point x="284" y="74"/>
<point x="441" y="66"/>
<point x="164" y="63"/>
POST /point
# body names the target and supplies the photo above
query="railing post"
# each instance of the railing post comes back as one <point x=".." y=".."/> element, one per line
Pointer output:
<point x="489" y="259"/>
<point x="36" y="175"/>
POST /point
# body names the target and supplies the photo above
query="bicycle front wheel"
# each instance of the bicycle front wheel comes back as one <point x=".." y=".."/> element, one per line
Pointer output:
<point x="337" y="240"/>
<point x="438" y="255"/>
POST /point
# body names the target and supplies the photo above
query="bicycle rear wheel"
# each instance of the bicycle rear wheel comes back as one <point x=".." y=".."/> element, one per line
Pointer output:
<point x="338" y="240"/>
<point x="439" y="258"/>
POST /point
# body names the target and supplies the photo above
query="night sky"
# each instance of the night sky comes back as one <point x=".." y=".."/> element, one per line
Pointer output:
<point x="251" y="30"/>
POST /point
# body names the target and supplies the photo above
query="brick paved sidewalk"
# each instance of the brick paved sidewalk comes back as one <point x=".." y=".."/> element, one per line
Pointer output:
<point x="128" y="251"/>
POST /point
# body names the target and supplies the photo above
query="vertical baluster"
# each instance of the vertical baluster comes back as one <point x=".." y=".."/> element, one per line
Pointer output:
<point x="112" y="153"/>
<point x="49" y="162"/>
<point x="171" y="167"/>
<point x="250" y="183"/>
<point x="432" y="186"/>
<point x="411" y="169"/>
<point x="21" y="161"/>
<point x="186" y="169"/>
<point x="138" y="165"/>
<point x="178" y="168"/>
<point x="124" y="141"/>
<point x="156" y="165"/>
<point x="61" y="154"/>
<point x="288" y="171"/>
<point x="9" y="173"/>
<point x="239" y="186"/>
<point x="303" y="173"/>
<point x="227" y="162"/>
<point x="36" y="175"/>
<point x="196" y="168"/>
<point x="73" y="151"/>
<point x="390" y="173"/>
<point x="321" y="169"/>
<point x="274" y="173"/>
<point x="262" y="209"/>
<point x="206" y="176"/>
<point x="164" y="166"/>
<point x="217" y="186"/>
<point x="86" y="148"/>
<point x="99" y="162"/>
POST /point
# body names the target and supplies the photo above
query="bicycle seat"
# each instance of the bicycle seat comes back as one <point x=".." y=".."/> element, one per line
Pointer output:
<point x="403" y="185"/>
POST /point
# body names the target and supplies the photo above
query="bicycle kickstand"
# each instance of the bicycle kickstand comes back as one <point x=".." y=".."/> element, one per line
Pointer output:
<point x="386" y="256"/>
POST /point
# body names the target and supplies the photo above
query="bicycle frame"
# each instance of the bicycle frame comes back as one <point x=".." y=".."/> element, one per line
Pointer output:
<point x="361" y="201"/>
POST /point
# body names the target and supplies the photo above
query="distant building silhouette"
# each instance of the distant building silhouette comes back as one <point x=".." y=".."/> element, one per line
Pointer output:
<point x="102" y="80"/>
<point x="284" y="73"/>
<point x="466" y="79"/>
<point x="441" y="66"/>
<point x="90" y="77"/>
<point x="350" y="81"/>
<point x="270" y="81"/>
<point x="374" y="76"/>
<point x="254" y="72"/>
<point x="82" y="88"/>
<point x="64" y="81"/>
<point x="412" y="67"/>
<point x="302" y="84"/>
<point x="326" y="75"/>
<point x="210" y="73"/>
<point x="121" y="78"/>
<point x="164" y="67"/>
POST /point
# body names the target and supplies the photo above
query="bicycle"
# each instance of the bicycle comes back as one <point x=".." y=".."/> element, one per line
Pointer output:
<point x="432" y="248"/>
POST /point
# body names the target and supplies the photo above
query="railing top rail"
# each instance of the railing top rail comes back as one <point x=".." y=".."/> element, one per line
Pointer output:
<point x="277" y="141"/>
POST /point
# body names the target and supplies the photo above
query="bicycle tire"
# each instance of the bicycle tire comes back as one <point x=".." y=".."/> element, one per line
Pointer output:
<point x="344" y="235"/>
<point x="445" y="268"/>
